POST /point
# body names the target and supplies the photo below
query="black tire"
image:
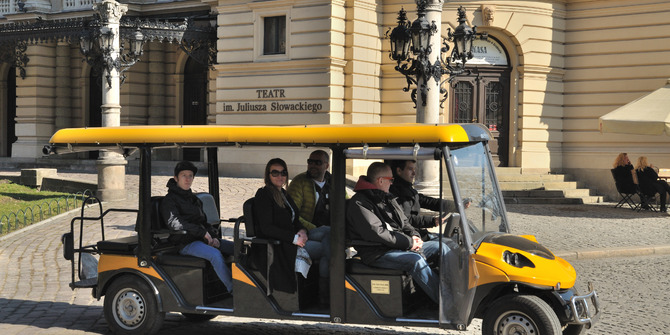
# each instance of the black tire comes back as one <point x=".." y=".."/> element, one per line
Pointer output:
<point x="520" y="314"/>
<point x="573" y="329"/>
<point x="198" y="317"/>
<point x="130" y="307"/>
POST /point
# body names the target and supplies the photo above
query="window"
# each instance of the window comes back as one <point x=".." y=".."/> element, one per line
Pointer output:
<point x="274" y="35"/>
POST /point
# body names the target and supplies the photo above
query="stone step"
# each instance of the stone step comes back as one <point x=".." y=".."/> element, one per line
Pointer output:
<point x="554" y="200"/>
<point x="538" y="185"/>
<point x="537" y="188"/>
<point x="531" y="177"/>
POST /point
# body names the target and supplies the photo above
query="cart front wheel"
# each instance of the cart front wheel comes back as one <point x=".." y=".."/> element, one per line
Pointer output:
<point x="130" y="307"/>
<point x="520" y="315"/>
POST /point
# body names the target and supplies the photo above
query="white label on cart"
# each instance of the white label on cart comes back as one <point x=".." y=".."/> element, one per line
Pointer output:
<point x="380" y="287"/>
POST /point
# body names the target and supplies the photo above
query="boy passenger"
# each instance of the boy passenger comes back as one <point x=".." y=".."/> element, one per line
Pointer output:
<point x="183" y="211"/>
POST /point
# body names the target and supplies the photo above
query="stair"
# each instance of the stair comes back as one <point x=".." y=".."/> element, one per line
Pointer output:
<point x="530" y="188"/>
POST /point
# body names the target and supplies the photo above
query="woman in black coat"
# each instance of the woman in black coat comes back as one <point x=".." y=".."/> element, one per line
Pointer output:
<point x="649" y="182"/>
<point x="277" y="217"/>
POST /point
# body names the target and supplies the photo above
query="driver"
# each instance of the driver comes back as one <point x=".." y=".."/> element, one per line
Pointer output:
<point x="412" y="201"/>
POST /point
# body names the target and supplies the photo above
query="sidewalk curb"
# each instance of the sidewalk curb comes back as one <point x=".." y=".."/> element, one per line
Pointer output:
<point x="614" y="252"/>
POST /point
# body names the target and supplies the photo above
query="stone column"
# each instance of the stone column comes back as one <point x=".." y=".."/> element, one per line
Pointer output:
<point x="35" y="102"/>
<point x="111" y="166"/>
<point x="427" y="179"/>
<point x="63" y="87"/>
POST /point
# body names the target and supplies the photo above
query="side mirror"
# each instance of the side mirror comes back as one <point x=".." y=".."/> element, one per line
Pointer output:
<point x="453" y="222"/>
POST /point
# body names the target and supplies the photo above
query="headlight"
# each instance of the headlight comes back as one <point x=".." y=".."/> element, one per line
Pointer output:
<point x="516" y="259"/>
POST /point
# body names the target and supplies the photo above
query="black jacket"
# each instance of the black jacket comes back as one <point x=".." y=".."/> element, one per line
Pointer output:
<point x="646" y="179"/>
<point x="623" y="178"/>
<point x="374" y="216"/>
<point x="412" y="201"/>
<point x="272" y="221"/>
<point x="182" y="210"/>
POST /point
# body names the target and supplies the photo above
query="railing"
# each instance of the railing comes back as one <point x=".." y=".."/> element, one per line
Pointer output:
<point x="36" y="213"/>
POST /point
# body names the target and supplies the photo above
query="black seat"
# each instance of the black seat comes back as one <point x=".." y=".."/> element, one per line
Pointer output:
<point x="647" y="195"/>
<point x="627" y="188"/>
<point x="251" y="239"/>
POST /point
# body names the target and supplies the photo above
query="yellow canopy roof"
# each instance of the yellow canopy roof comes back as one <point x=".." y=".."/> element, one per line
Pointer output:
<point x="648" y="115"/>
<point x="214" y="135"/>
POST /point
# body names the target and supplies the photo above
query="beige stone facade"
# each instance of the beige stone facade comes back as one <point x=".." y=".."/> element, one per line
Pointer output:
<point x="568" y="62"/>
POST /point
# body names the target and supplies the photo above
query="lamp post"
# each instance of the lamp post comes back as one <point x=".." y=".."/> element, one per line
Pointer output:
<point x="420" y="58"/>
<point x="111" y="166"/>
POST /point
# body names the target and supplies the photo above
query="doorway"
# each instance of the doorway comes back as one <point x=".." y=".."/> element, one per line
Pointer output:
<point x="195" y="101"/>
<point x="482" y="95"/>
<point x="10" y="107"/>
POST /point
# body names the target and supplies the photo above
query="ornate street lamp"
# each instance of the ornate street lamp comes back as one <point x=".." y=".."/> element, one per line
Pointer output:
<point x="410" y="47"/>
<point x="462" y="37"/>
<point x="401" y="38"/>
<point x="97" y="43"/>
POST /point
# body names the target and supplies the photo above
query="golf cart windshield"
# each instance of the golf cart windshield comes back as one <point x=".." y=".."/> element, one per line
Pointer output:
<point x="485" y="211"/>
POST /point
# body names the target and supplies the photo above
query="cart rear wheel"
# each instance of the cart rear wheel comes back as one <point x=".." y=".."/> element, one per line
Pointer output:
<point x="130" y="307"/>
<point x="520" y="315"/>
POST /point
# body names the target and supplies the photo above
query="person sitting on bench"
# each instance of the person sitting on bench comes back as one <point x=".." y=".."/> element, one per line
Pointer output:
<point x="183" y="211"/>
<point x="373" y="215"/>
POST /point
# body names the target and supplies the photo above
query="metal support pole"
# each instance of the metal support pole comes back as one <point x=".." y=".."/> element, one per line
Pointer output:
<point x="337" y="237"/>
<point x="144" y="216"/>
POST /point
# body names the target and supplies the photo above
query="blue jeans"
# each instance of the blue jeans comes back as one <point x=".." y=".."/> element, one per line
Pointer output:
<point x="202" y="250"/>
<point x="417" y="266"/>
<point x="318" y="248"/>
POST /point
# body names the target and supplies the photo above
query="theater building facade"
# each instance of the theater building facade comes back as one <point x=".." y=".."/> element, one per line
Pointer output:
<point x="539" y="82"/>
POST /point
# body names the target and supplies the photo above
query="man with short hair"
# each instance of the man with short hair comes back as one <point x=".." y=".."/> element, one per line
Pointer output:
<point x="373" y="215"/>
<point x="183" y="211"/>
<point x="411" y="201"/>
<point x="310" y="191"/>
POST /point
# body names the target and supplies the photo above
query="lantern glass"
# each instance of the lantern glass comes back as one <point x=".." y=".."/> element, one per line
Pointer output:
<point x="420" y="34"/>
<point x="136" y="43"/>
<point x="106" y="39"/>
<point x="85" y="45"/>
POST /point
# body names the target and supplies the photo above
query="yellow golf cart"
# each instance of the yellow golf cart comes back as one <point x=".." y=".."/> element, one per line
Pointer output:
<point x="513" y="283"/>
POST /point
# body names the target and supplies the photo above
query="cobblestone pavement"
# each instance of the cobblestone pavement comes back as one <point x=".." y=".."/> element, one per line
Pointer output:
<point x="633" y="293"/>
<point x="34" y="277"/>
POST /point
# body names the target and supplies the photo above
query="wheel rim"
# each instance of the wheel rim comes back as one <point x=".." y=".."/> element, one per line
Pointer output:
<point x="129" y="309"/>
<point x="515" y="323"/>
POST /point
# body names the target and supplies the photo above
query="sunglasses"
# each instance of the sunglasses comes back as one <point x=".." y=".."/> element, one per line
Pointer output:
<point x="387" y="178"/>
<point x="277" y="173"/>
<point x="316" y="162"/>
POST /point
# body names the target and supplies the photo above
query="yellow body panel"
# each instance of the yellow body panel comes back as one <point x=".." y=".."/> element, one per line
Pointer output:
<point x="546" y="273"/>
<point x="116" y="262"/>
<point x="377" y="133"/>
<point x="240" y="276"/>
<point x="348" y="285"/>
<point x="486" y="274"/>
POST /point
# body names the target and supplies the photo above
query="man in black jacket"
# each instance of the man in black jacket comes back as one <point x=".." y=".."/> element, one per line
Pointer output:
<point x="411" y="201"/>
<point x="183" y="211"/>
<point x="374" y="215"/>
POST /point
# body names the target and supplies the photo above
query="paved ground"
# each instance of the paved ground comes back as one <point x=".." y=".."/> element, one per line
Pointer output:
<point x="34" y="277"/>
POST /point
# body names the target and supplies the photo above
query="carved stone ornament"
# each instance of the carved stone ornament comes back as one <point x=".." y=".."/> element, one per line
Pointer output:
<point x="110" y="11"/>
<point x="488" y="12"/>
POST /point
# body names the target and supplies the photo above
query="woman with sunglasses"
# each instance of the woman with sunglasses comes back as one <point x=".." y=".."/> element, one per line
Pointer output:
<point x="277" y="217"/>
